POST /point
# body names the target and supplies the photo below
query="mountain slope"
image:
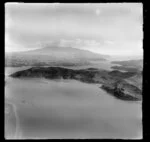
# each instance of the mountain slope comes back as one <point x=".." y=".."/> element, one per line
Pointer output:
<point x="136" y="80"/>
<point x="49" y="55"/>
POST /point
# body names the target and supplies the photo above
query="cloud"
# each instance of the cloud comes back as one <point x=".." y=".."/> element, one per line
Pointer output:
<point x="78" y="43"/>
<point x="98" y="11"/>
<point x="110" y="47"/>
<point x="87" y="26"/>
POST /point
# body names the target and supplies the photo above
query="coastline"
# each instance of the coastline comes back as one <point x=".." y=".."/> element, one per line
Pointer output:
<point x="109" y="79"/>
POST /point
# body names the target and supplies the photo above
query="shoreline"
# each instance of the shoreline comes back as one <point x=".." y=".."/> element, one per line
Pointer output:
<point x="111" y="81"/>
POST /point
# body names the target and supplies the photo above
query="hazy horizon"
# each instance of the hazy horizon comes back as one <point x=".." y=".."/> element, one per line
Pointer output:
<point x="105" y="28"/>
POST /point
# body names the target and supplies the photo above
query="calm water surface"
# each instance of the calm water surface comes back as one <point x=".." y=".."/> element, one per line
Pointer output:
<point x="40" y="108"/>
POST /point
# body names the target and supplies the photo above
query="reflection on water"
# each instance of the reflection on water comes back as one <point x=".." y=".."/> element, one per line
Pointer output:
<point x="67" y="109"/>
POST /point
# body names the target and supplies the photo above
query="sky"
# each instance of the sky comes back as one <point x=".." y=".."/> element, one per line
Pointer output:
<point x="106" y="28"/>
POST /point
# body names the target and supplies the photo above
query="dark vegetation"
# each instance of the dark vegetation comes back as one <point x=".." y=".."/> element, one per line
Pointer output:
<point x="119" y="84"/>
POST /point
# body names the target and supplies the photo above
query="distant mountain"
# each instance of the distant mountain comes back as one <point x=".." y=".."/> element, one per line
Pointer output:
<point x="53" y="55"/>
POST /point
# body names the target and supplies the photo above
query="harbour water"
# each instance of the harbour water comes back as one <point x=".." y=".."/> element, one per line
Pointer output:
<point x="40" y="108"/>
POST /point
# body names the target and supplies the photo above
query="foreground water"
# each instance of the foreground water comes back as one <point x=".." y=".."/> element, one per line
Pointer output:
<point x="40" y="108"/>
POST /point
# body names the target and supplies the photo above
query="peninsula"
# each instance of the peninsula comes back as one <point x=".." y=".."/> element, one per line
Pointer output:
<point x="123" y="85"/>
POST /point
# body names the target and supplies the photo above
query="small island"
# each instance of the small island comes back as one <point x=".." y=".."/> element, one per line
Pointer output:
<point x="119" y="84"/>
